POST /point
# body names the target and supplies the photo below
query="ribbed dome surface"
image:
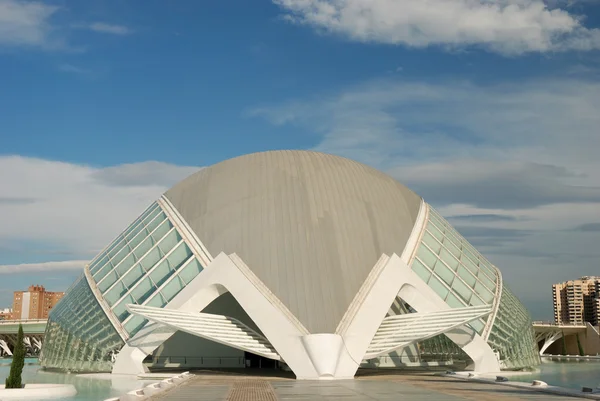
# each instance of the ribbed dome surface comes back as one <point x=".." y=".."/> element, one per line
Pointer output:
<point x="310" y="225"/>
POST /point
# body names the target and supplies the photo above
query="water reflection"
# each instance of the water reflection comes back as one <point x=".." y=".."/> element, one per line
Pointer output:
<point x="89" y="387"/>
<point x="563" y="373"/>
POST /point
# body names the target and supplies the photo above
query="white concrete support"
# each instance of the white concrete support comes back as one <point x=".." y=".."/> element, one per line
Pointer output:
<point x="4" y="348"/>
<point x="395" y="278"/>
<point x="37" y="344"/>
<point x="221" y="329"/>
<point x="549" y="337"/>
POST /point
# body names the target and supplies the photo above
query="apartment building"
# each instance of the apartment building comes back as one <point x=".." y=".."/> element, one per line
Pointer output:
<point x="35" y="303"/>
<point x="577" y="301"/>
<point x="5" y="314"/>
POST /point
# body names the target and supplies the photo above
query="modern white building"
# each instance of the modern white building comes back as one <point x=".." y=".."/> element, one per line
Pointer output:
<point x="288" y="258"/>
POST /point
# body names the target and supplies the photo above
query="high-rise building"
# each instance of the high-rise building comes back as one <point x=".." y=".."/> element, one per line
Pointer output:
<point x="35" y="303"/>
<point x="577" y="301"/>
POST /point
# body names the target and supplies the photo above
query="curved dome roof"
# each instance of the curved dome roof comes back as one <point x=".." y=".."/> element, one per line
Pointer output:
<point x="310" y="225"/>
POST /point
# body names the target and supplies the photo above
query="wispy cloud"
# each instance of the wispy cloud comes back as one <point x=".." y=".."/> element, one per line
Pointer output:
<point x="78" y="208"/>
<point x="73" y="69"/>
<point x="588" y="227"/>
<point x="28" y="24"/>
<point x="43" y="267"/>
<point x="523" y="155"/>
<point x="113" y="29"/>
<point x="507" y="27"/>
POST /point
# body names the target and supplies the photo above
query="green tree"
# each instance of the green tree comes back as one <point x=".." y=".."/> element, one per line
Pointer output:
<point x="16" y="367"/>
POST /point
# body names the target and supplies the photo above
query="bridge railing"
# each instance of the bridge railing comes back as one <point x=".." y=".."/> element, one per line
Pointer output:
<point x="549" y="323"/>
<point x="23" y="321"/>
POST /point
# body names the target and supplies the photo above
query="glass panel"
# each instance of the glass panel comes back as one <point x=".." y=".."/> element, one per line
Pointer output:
<point x="120" y="255"/>
<point x="133" y="276"/>
<point x="115" y="293"/>
<point x="108" y="281"/>
<point x="125" y="264"/>
<point x="135" y="241"/>
<point x="102" y="272"/>
<point x="120" y="311"/>
<point x="470" y="265"/>
<point x="466" y="276"/>
<point x="156" y="222"/>
<point x="485" y="294"/>
<point x="426" y="256"/>
<point x="161" y="230"/>
<point x="454" y="302"/>
<point x="151" y="259"/>
<point x="435" y="232"/>
<point x="462" y="290"/>
<point x="157" y="301"/>
<point x="488" y="283"/>
<point x="477" y="325"/>
<point x="144" y="247"/>
<point x="169" y="241"/>
<point x="436" y="285"/>
<point x="432" y="242"/>
<point x="135" y="324"/>
<point x="178" y="257"/>
<point x="161" y="273"/>
<point x="444" y="272"/>
<point x="452" y="248"/>
<point x="172" y="288"/>
<point x="449" y="259"/>
<point x="421" y="270"/>
<point x="475" y="301"/>
<point x="143" y="290"/>
<point x="192" y="269"/>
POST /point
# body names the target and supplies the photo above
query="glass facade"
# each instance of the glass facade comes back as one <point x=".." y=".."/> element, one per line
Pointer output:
<point x="148" y="264"/>
<point x="79" y="337"/>
<point x="461" y="276"/>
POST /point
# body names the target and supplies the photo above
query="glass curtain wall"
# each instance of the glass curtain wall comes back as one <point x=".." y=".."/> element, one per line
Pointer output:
<point x="461" y="276"/>
<point x="148" y="264"/>
<point x="79" y="337"/>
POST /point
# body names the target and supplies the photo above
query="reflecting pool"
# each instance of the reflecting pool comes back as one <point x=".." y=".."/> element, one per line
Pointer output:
<point x="563" y="373"/>
<point x="89" y="387"/>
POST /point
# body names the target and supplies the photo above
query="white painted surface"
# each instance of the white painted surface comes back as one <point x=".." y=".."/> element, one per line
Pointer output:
<point x="26" y="302"/>
<point x="324" y="351"/>
<point x="38" y="392"/>
<point x="218" y="328"/>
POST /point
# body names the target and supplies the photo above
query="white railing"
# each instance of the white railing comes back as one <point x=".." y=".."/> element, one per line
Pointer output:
<point x="24" y="321"/>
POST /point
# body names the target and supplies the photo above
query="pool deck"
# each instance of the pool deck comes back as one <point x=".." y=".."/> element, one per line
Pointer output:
<point x="409" y="386"/>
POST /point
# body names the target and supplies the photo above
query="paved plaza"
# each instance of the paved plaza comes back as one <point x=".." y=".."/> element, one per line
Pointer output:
<point x="409" y="387"/>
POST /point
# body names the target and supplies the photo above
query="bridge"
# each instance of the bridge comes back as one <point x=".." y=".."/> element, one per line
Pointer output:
<point x="33" y="335"/>
<point x="577" y="339"/>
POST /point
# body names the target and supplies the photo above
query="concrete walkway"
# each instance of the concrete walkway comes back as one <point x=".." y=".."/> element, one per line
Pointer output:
<point x="411" y="387"/>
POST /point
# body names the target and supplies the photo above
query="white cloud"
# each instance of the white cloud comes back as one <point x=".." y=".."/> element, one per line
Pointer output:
<point x="27" y="23"/>
<point x="525" y="150"/>
<point x="44" y="266"/>
<point x="109" y="28"/>
<point x="504" y="26"/>
<point x="70" y="68"/>
<point x="75" y="208"/>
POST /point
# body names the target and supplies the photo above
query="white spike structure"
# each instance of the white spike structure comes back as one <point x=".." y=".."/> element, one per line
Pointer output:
<point x="402" y="330"/>
<point x="218" y="328"/>
<point x="305" y="258"/>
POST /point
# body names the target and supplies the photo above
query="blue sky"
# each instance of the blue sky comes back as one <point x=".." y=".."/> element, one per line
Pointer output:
<point x="487" y="108"/>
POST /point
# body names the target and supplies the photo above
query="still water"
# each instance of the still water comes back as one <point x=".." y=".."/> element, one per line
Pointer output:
<point x="562" y="373"/>
<point x="88" y="389"/>
<point x="572" y="374"/>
